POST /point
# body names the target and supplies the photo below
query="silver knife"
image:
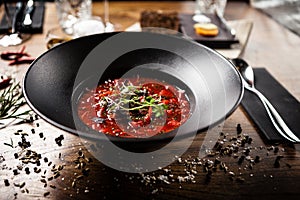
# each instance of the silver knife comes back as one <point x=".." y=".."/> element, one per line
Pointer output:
<point x="28" y="10"/>
<point x="224" y="22"/>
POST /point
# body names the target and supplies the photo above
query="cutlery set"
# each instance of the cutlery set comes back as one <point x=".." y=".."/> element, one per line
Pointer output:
<point x="28" y="10"/>
<point x="278" y="122"/>
<point x="21" y="16"/>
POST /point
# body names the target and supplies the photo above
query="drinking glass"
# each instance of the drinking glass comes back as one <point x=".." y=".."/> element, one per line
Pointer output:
<point x="109" y="27"/>
<point x="70" y="11"/>
<point x="211" y="6"/>
<point x="13" y="37"/>
<point x="76" y="20"/>
<point x="208" y="7"/>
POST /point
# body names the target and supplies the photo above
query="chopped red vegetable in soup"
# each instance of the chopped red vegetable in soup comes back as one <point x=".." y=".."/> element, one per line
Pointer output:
<point x="134" y="108"/>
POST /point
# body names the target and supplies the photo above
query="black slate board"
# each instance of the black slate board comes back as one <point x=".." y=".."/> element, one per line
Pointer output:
<point x="223" y="40"/>
<point x="286" y="104"/>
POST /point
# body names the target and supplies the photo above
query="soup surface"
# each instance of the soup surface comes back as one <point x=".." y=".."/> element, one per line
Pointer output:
<point x="134" y="108"/>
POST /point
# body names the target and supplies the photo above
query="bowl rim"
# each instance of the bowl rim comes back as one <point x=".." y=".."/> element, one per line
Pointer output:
<point x="121" y="139"/>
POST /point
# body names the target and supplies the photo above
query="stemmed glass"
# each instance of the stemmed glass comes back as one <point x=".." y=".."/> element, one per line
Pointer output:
<point x="14" y="37"/>
<point x="208" y="6"/>
<point x="199" y="16"/>
<point x="76" y="20"/>
<point x="109" y="27"/>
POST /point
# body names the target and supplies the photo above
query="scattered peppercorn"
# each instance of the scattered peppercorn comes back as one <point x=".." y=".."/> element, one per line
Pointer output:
<point x="239" y="129"/>
<point x="80" y="153"/>
<point x="86" y="171"/>
<point x="250" y="140"/>
<point x="15" y="171"/>
<point x="276" y="150"/>
<point x="59" y="139"/>
<point x="27" y="170"/>
<point x="276" y="164"/>
<point x="22" y="185"/>
<point x="52" y="186"/>
<point x="2" y="159"/>
<point x="247" y="151"/>
<point x="277" y="161"/>
<point x="257" y="159"/>
<point x="241" y="159"/>
<point x="24" y="143"/>
<point x="226" y="145"/>
<point x="46" y="194"/>
<point x="6" y="182"/>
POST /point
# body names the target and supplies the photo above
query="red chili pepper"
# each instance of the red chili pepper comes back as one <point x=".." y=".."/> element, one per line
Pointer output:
<point x="25" y="60"/>
<point x="17" y="57"/>
<point x="4" y="83"/>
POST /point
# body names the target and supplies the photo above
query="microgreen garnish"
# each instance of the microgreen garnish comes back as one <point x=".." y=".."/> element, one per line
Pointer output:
<point x="127" y="97"/>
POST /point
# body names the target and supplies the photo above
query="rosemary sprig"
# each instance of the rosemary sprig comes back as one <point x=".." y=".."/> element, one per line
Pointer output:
<point x="11" y="99"/>
<point x="11" y="143"/>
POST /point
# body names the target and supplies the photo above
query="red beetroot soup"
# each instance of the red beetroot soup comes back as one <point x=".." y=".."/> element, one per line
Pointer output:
<point x="134" y="108"/>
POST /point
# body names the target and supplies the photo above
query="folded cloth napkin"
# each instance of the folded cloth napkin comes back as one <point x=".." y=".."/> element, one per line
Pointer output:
<point x="37" y="20"/>
<point x="287" y="106"/>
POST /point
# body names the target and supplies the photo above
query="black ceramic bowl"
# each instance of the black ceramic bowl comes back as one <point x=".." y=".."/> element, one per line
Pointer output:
<point x="56" y="79"/>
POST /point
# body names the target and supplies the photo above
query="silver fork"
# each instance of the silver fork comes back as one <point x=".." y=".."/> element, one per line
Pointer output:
<point x="247" y="76"/>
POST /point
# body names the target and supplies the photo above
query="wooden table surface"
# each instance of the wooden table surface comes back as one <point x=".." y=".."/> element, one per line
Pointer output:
<point x="270" y="46"/>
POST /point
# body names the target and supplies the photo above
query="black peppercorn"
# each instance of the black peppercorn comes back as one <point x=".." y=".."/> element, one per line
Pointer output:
<point x="27" y="170"/>
<point x="239" y="129"/>
<point x="241" y="159"/>
<point x="15" y="171"/>
<point x="276" y="149"/>
<point x="6" y="182"/>
<point x="257" y="159"/>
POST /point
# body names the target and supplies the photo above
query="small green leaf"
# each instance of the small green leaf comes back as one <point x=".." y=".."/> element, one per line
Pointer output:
<point x="152" y="101"/>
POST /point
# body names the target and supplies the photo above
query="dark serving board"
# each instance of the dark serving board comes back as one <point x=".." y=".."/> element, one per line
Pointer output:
<point x="223" y="40"/>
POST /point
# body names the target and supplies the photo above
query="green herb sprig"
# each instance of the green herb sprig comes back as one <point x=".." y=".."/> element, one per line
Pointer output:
<point x="11" y="144"/>
<point x="11" y="99"/>
<point x="130" y="94"/>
